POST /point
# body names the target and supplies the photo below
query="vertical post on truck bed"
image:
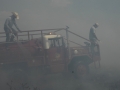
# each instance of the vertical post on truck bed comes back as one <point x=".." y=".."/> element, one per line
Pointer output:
<point x="43" y="49"/>
<point x="99" y="55"/>
<point x="67" y="36"/>
<point x="68" y="51"/>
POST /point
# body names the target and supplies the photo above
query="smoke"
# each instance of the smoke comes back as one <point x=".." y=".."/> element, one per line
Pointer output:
<point x="78" y="15"/>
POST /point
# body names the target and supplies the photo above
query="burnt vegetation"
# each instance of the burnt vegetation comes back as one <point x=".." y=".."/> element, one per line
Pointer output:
<point x="23" y="86"/>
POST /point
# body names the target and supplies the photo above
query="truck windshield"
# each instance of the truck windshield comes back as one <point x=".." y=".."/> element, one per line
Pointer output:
<point x="55" y="42"/>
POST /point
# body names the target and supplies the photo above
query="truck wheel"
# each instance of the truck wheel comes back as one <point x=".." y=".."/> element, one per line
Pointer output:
<point x="81" y="70"/>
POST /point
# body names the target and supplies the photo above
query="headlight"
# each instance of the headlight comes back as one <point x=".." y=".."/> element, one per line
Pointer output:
<point x="75" y="51"/>
<point x="51" y="33"/>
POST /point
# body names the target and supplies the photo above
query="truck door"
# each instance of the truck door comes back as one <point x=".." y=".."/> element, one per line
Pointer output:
<point x="56" y="52"/>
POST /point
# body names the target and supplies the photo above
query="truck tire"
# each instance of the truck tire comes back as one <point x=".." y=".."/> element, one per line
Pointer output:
<point x="81" y="70"/>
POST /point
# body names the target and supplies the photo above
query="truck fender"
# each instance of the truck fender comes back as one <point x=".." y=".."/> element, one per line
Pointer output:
<point x="79" y="59"/>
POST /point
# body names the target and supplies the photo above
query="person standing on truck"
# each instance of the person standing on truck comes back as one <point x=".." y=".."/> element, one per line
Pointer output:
<point x="8" y="27"/>
<point x="92" y="36"/>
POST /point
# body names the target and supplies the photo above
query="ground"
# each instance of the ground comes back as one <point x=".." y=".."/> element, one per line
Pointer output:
<point x="99" y="79"/>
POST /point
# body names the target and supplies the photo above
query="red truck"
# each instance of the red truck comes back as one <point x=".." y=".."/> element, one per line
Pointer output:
<point x="45" y="52"/>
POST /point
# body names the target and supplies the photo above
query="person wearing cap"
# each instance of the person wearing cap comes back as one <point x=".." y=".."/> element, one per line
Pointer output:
<point x="92" y="36"/>
<point x="8" y="26"/>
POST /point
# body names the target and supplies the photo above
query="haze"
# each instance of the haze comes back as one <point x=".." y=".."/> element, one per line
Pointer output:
<point x="79" y="15"/>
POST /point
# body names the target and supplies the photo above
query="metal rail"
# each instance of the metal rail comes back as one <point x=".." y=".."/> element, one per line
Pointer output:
<point x="78" y="35"/>
<point x="38" y="30"/>
<point x="57" y="29"/>
<point x="74" y="42"/>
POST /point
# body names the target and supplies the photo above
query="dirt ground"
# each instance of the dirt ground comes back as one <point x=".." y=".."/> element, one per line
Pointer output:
<point x="99" y="79"/>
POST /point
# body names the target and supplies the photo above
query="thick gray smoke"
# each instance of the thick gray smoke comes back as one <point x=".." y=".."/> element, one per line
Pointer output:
<point x="79" y="15"/>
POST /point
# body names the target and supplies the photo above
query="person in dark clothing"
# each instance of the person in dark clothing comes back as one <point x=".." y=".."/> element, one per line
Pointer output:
<point x="92" y="36"/>
<point x="8" y="27"/>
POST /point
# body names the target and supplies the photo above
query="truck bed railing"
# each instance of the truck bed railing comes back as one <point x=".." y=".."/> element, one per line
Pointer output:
<point x="55" y="30"/>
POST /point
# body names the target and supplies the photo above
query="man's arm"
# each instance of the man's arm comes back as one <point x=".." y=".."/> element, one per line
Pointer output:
<point x="16" y="25"/>
<point x="93" y="34"/>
